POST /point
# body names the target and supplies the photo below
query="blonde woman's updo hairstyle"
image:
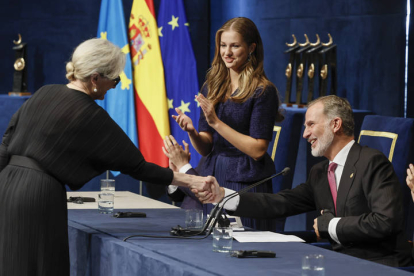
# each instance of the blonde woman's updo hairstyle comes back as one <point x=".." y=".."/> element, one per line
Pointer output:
<point x="95" y="56"/>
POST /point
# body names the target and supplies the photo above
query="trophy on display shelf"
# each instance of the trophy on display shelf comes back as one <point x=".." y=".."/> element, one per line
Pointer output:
<point x="301" y="65"/>
<point x="290" y="68"/>
<point x="311" y="64"/>
<point x="20" y="69"/>
<point x="314" y="61"/>
<point x="328" y="59"/>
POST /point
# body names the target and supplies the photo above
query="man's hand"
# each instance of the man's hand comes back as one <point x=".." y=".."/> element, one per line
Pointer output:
<point x="175" y="152"/>
<point x="172" y="166"/>
<point x="410" y="179"/>
<point x="321" y="224"/>
<point x="315" y="227"/>
<point x="215" y="194"/>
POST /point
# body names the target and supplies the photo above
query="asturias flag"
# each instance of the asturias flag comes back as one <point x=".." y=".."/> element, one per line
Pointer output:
<point x="151" y="99"/>
<point x="180" y="68"/>
<point x="118" y="102"/>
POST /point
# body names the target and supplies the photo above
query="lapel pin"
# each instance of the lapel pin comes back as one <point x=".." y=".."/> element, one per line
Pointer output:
<point x="352" y="175"/>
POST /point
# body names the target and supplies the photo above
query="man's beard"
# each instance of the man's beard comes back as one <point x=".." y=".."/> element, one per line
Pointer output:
<point x="324" y="142"/>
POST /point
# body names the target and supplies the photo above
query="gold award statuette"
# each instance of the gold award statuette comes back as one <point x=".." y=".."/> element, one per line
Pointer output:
<point x="19" y="64"/>
<point x="20" y="70"/>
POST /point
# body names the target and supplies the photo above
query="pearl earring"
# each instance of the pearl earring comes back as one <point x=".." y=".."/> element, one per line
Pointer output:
<point x="95" y="90"/>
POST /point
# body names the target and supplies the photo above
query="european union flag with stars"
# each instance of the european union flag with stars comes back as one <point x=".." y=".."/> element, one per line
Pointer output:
<point x="118" y="102"/>
<point x="179" y="68"/>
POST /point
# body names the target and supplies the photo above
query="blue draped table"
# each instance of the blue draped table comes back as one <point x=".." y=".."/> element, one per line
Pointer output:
<point x="96" y="248"/>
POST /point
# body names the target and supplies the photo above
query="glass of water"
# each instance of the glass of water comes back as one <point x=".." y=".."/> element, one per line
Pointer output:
<point x="108" y="185"/>
<point x="106" y="203"/>
<point x="194" y="218"/>
<point x="222" y="239"/>
<point x="313" y="265"/>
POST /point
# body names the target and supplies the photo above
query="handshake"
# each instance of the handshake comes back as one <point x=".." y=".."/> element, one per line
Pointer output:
<point x="206" y="189"/>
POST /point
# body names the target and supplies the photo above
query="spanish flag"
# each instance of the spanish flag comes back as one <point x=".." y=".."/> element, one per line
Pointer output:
<point x="150" y="96"/>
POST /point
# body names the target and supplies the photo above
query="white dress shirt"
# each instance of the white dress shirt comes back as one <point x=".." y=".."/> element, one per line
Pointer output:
<point x="339" y="159"/>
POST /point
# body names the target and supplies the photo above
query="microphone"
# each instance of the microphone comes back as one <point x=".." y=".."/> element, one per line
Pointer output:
<point x="216" y="212"/>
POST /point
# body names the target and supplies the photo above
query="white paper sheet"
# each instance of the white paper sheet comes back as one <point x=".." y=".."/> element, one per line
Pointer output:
<point x="264" y="236"/>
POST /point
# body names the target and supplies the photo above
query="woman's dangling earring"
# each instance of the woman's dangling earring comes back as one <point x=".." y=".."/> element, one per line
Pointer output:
<point x="95" y="90"/>
<point x="249" y="57"/>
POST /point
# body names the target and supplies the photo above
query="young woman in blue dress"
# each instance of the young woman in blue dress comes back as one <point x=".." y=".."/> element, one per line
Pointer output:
<point x="239" y="108"/>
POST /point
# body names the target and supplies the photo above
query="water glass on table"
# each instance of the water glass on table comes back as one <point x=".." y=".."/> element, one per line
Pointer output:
<point x="222" y="239"/>
<point x="108" y="185"/>
<point x="106" y="203"/>
<point x="313" y="265"/>
<point x="194" y="218"/>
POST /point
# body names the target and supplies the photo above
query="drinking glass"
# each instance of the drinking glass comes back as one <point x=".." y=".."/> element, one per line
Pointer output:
<point x="193" y="218"/>
<point x="106" y="203"/>
<point x="313" y="265"/>
<point x="222" y="239"/>
<point x="108" y="185"/>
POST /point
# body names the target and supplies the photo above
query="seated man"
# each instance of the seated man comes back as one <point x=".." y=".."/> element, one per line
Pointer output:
<point x="356" y="191"/>
<point x="179" y="159"/>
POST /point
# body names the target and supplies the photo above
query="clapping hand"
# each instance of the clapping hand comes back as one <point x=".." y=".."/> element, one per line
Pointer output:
<point x="410" y="179"/>
<point x="177" y="156"/>
<point x="208" y="109"/>
<point x="183" y="121"/>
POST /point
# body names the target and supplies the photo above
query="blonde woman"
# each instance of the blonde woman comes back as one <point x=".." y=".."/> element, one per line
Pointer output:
<point x="61" y="136"/>
<point x="239" y="108"/>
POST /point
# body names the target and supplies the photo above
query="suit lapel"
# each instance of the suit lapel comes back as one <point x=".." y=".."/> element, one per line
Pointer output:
<point x="347" y="178"/>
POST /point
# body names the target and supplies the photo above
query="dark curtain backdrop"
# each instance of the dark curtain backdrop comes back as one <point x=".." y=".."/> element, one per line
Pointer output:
<point x="370" y="36"/>
<point x="53" y="29"/>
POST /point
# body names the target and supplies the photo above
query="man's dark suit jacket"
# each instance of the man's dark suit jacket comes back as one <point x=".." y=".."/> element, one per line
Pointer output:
<point x="369" y="203"/>
<point x="184" y="195"/>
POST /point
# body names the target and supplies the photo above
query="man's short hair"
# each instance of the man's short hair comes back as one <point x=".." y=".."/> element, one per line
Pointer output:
<point x="334" y="106"/>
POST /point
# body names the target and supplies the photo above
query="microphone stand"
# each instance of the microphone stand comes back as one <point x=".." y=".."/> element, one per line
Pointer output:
<point x="184" y="233"/>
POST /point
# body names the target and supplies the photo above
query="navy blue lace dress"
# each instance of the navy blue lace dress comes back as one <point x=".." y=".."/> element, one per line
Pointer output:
<point x="232" y="168"/>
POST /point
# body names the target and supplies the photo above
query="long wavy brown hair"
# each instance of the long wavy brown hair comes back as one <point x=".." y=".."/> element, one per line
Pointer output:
<point x="252" y="74"/>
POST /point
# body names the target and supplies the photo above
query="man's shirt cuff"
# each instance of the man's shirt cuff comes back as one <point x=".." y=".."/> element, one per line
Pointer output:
<point x="332" y="229"/>
<point x="185" y="168"/>
<point x="231" y="204"/>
